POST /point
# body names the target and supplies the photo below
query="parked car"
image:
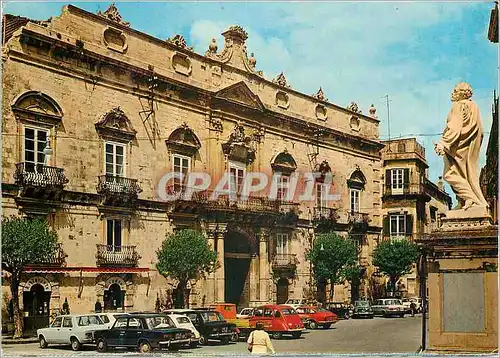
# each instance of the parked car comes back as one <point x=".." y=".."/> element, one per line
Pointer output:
<point x="339" y="308"/>
<point x="143" y="331"/>
<point x="245" y="313"/>
<point x="296" y="302"/>
<point x="389" y="307"/>
<point x="209" y="323"/>
<point x="228" y="311"/>
<point x="408" y="301"/>
<point x="109" y="318"/>
<point x="183" y="321"/>
<point x="278" y="320"/>
<point x="362" y="309"/>
<point x="313" y="317"/>
<point x="74" y="330"/>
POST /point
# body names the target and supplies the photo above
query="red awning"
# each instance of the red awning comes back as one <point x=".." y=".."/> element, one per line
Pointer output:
<point x="86" y="269"/>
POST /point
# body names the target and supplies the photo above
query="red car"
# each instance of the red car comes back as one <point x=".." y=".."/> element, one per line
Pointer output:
<point x="313" y="317"/>
<point x="278" y="320"/>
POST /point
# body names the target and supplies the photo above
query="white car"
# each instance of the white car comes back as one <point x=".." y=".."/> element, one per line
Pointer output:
<point x="245" y="313"/>
<point x="389" y="307"/>
<point x="74" y="330"/>
<point x="296" y="302"/>
<point x="183" y="321"/>
<point x="109" y="318"/>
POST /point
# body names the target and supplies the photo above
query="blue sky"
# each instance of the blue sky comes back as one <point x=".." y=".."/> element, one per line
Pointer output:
<point x="413" y="51"/>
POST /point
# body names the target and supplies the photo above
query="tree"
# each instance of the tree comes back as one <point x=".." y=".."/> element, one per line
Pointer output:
<point x="24" y="241"/>
<point x="352" y="273"/>
<point x="329" y="255"/>
<point x="395" y="258"/>
<point x="185" y="256"/>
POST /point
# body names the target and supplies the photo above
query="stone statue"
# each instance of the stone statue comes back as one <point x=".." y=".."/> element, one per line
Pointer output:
<point x="460" y="145"/>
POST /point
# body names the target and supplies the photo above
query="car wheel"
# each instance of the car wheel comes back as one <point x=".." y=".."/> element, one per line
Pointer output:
<point x="225" y="340"/>
<point x="371" y="316"/>
<point x="401" y="315"/>
<point x="313" y="325"/>
<point x="75" y="344"/>
<point x="203" y="340"/>
<point x="43" y="342"/>
<point x="193" y="344"/>
<point x="326" y="326"/>
<point x="235" y="337"/>
<point x="145" y="347"/>
<point x="296" y="335"/>
<point x="276" y="335"/>
<point x="174" y="347"/>
<point x="101" y="346"/>
<point x="346" y="316"/>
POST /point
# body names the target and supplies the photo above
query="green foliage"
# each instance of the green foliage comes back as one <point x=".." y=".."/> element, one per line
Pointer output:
<point x="185" y="256"/>
<point x="330" y="254"/>
<point x="352" y="273"/>
<point x="395" y="258"/>
<point x="26" y="241"/>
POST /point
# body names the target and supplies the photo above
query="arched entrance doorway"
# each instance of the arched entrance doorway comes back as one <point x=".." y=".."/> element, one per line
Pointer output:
<point x="114" y="297"/>
<point x="36" y="303"/>
<point x="281" y="291"/>
<point x="237" y="258"/>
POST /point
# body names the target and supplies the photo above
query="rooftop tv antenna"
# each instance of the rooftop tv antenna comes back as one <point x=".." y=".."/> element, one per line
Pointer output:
<point x="387" y="100"/>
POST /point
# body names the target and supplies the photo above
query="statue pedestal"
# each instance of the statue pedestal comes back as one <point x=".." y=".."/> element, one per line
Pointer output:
<point x="462" y="281"/>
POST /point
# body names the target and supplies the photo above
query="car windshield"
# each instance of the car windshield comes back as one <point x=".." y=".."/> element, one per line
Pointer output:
<point x="104" y="318"/>
<point x="293" y="302"/>
<point x="212" y="316"/>
<point x="288" y="311"/>
<point x="182" y="320"/>
<point x="158" y="322"/>
<point x="322" y="310"/>
<point x="361" y="303"/>
<point x="89" y="320"/>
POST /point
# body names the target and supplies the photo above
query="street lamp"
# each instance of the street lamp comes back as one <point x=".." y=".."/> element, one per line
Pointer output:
<point x="322" y="248"/>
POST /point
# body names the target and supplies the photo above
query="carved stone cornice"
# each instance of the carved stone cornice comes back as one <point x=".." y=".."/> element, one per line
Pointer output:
<point x="179" y="41"/>
<point x="280" y="80"/>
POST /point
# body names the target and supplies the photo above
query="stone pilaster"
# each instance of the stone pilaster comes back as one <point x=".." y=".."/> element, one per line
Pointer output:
<point x="263" y="265"/>
<point x="220" y="274"/>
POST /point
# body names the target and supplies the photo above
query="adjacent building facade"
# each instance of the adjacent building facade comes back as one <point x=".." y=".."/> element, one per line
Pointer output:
<point x="411" y="204"/>
<point x="95" y="113"/>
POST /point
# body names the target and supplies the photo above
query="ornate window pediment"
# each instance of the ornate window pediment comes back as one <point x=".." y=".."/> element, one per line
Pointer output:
<point x="37" y="107"/>
<point x="284" y="163"/>
<point x="183" y="140"/>
<point x="357" y="180"/>
<point x="239" y="146"/>
<point x="240" y="93"/>
<point x="115" y="124"/>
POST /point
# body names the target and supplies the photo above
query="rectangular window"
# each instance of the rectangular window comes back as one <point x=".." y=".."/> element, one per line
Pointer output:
<point x="397" y="176"/>
<point x="282" y="246"/>
<point x="114" y="234"/>
<point x="236" y="173"/>
<point x="35" y="141"/>
<point x="115" y="159"/>
<point x="321" y="193"/>
<point x="397" y="225"/>
<point x="283" y="185"/>
<point x="354" y="195"/>
<point x="181" y="164"/>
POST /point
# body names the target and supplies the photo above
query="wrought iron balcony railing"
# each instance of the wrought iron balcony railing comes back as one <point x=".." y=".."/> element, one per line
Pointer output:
<point x="111" y="184"/>
<point x="322" y="213"/>
<point x="285" y="261"/>
<point x="110" y="255"/>
<point x="39" y="175"/>
<point x="405" y="189"/>
<point x="399" y="237"/>
<point x="358" y="218"/>
<point x="57" y="259"/>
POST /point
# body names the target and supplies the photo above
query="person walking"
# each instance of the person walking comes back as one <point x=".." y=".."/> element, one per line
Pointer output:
<point x="413" y="308"/>
<point x="259" y="341"/>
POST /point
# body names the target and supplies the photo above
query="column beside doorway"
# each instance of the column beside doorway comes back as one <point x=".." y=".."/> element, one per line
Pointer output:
<point x="263" y="266"/>
<point x="219" y="274"/>
<point x="210" y="280"/>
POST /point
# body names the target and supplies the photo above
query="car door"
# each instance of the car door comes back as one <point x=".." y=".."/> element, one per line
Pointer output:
<point x="258" y="315"/>
<point x="377" y="307"/>
<point x="66" y="330"/>
<point x="54" y="331"/>
<point x="133" y="332"/>
<point x="118" y="330"/>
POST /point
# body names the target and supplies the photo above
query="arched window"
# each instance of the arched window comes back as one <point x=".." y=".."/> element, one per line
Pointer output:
<point x="283" y="166"/>
<point x="356" y="183"/>
<point x="183" y="145"/>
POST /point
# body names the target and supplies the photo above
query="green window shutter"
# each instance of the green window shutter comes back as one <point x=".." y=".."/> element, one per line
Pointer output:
<point x="385" y="221"/>
<point x="409" y="224"/>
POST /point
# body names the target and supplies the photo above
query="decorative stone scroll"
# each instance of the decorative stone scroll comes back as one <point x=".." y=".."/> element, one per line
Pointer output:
<point x="183" y="140"/>
<point x="282" y="100"/>
<point x="320" y="95"/>
<point x="321" y="112"/>
<point x="280" y="80"/>
<point x="239" y="147"/>
<point x="116" y="124"/>
<point x="112" y="14"/>
<point x="115" y="40"/>
<point x="181" y="64"/>
<point x="353" y="107"/>
<point x="179" y="41"/>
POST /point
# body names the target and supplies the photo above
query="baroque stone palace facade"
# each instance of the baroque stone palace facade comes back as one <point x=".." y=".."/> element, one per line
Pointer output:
<point x="96" y="112"/>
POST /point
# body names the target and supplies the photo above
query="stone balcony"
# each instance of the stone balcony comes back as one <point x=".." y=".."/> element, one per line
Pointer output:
<point x="284" y="262"/>
<point x="110" y="255"/>
<point x="57" y="259"/>
<point x="358" y="219"/>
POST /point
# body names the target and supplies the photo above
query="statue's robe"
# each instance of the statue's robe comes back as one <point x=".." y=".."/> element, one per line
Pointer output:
<point x="461" y="141"/>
